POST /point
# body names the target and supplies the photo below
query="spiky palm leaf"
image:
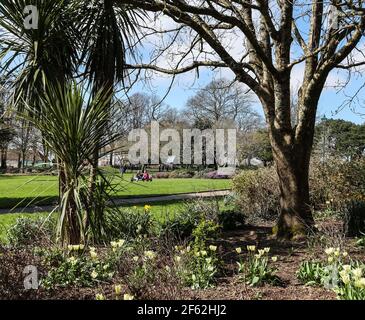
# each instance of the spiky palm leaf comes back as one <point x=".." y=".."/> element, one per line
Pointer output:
<point x="48" y="53"/>
<point x="71" y="128"/>
<point x="106" y="30"/>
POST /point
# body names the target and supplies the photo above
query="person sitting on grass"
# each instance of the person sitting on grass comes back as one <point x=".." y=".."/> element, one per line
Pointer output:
<point x="146" y="176"/>
<point x="138" y="176"/>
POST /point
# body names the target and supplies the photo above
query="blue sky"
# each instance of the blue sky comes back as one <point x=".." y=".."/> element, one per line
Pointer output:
<point x="330" y="103"/>
<point x="186" y="85"/>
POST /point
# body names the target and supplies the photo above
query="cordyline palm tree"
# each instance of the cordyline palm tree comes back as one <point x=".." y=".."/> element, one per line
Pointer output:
<point x="106" y="30"/>
<point x="93" y="33"/>
<point x="48" y="53"/>
<point x="34" y="56"/>
<point x="71" y="128"/>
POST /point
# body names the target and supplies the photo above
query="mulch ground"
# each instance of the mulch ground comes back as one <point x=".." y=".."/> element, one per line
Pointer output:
<point x="229" y="285"/>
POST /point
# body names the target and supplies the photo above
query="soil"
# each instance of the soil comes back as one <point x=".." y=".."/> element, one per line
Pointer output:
<point x="229" y="285"/>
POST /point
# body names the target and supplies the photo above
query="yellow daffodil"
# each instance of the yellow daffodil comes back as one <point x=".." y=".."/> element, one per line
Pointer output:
<point x="346" y="268"/>
<point x="128" y="297"/>
<point x="345" y="254"/>
<point x="251" y="248"/>
<point x="267" y="250"/>
<point x="118" y="289"/>
<point x="135" y="258"/>
<point x="330" y="259"/>
<point x="357" y="273"/>
<point x="329" y="251"/>
<point x="337" y="252"/>
<point x="212" y="248"/>
<point x="360" y="283"/>
<point x="203" y="253"/>
<point x="93" y="255"/>
<point x="344" y="277"/>
<point x="274" y="259"/>
<point x="72" y="260"/>
<point x="99" y="296"/>
<point x="238" y="250"/>
<point x="120" y="242"/>
<point x="210" y="268"/>
<point x="178" y="258"/>
<point x="94" y="274"/>
<point x="150" y="254"/>
<point x="147" y="207"/>
<point x="113" y="244"/>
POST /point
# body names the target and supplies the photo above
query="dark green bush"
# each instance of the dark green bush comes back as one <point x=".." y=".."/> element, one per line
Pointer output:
<point x="231" y="219"/>
<point x="178" y="226"/>
<point x="128" y="223"/>
<point x="31" y="231"/>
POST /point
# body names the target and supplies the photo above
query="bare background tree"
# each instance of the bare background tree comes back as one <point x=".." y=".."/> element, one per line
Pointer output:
<point x="222" y="100"/>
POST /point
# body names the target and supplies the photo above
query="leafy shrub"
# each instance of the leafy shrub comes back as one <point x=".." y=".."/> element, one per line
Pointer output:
<point x="181" y="224"/>
<point x="128" y="223"/>
<point x="197" y="267"/>
<point x="230" y="219"/>
<point x="346" y="279"/>
<point x="332" y="185"/>
<point x="354" y="218"/>
<point x="335" y="182"/>
<point x="30" y="231"/>
<point x="360" y="242"/>
<point x="206" y="230"/>
<point x="177" y="226"/>
<point x="77" y="266"/>
<point x="256" y="270"/>
<point x="352" y="282"/>
<point x="310" y="272"/>
<point x="143" y="272"/>
<point x="257" y="192"/>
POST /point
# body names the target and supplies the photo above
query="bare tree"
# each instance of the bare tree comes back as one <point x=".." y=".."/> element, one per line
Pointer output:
<point x="142" y="108"/>
<point x="260" y="42"/>
<point x="222" y="100"/>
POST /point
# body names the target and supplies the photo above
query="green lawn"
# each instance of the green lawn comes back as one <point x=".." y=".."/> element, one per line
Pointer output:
<point x="159" y="210"/>
<point x="16" y="190"/>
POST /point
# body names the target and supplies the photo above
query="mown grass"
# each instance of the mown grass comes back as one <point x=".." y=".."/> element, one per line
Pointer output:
<point x="22" y="191"/>
<point x="160" y="211"/>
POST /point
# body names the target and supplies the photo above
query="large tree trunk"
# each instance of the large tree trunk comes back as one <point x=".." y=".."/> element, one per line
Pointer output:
<point x="292" y="146"/>
<point x="295" y="217"/>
